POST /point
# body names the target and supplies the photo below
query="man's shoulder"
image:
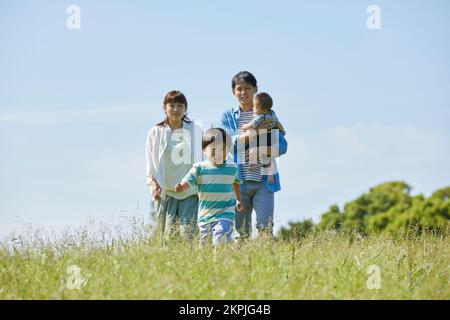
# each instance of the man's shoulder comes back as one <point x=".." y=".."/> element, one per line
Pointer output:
<point x="230" y="111"/>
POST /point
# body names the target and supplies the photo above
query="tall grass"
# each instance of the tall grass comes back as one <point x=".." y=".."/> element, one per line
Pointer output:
<point x="138" y="266"/>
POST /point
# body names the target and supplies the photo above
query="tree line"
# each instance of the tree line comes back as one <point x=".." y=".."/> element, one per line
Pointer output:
<point x="388" y="207"/>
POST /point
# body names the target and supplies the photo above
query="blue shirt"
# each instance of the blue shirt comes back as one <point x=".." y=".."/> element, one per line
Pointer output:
<point x="228" y="121"/>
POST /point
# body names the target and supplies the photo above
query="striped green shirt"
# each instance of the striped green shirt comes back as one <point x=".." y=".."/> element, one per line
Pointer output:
<point x="217" y="200"/>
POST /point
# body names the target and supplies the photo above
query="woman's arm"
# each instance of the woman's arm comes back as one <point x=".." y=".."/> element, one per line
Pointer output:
<point x="151" y="180"/>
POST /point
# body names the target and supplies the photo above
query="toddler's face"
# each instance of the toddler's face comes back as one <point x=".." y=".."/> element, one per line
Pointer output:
<point x="216" y="152"/>
<point x="257" y="108"/>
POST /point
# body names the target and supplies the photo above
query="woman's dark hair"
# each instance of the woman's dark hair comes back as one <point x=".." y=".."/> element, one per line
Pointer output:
<point x="265" y="99"/>
<point x="216" y="135"/>
<point x="243" y="76"/>
<point x="174" y="96"/>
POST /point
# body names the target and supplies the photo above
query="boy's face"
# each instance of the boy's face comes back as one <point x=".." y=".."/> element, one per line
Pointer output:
<point x="244" y="92"/>
<point x="216" y="152"/>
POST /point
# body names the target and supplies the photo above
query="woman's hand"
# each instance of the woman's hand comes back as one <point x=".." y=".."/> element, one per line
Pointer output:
<point x="156" y="190"/>
<point x="239" y="206"/>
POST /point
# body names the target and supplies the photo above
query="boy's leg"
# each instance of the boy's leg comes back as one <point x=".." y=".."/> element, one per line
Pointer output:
<point x="205" y="232"/>
<point x="187" y="212"/>
<point x="222" y="232"/>
<point x="263" y="202"/>
<point x="244" y="220"/>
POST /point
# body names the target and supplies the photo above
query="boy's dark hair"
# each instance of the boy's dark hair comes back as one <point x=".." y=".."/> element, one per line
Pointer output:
<point x="265" y="100"/>
<point x="213" y="135"/>
<point x="243" y="76"/>
<point x="174" y="96"/>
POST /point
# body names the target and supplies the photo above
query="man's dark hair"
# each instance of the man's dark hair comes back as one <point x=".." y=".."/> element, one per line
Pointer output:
<point x="243" y="76"/>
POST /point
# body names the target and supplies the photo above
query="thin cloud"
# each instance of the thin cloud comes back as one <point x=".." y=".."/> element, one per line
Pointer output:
<point x="75" y="115"/>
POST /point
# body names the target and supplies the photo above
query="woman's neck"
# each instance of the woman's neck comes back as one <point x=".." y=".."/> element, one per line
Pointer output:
<point x="175" y="124"/>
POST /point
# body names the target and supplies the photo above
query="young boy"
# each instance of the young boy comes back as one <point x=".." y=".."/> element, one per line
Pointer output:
<point x="262" y="111"/>
<point x="218" y="188"/>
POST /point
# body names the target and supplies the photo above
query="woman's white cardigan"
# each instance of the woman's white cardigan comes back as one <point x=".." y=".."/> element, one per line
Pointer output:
<point x="157" y="140"/>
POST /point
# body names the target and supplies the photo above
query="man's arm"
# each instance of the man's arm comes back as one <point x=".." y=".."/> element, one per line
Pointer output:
<point x="226" y="125"/>
<point x="281" y="128"/>
<point x="282" y="147"/>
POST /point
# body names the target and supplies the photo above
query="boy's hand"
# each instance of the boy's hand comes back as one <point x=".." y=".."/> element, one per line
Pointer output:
<point x="239" y="206"/>
<point x="180" y="187"/>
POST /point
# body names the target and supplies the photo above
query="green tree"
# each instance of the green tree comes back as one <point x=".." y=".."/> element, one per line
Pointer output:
<point x="386" y="207"/>
<point x="297" y="230"/>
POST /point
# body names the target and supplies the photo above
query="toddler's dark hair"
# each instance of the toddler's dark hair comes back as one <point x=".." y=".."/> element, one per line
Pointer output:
<point x="265" y="100"/>
<point x="215" y="135"/>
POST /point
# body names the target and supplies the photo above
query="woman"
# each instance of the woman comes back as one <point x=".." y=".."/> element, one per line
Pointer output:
<point x="173" y="145"/>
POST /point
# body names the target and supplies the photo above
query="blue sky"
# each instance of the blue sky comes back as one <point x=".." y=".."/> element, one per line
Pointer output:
<point x="360" y="106"/>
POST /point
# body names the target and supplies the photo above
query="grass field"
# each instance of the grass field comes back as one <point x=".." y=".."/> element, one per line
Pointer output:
<point x="80" y="265"/>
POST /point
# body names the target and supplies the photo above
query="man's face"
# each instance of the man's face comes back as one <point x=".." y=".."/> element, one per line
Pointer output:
<point x="244" y="92"/>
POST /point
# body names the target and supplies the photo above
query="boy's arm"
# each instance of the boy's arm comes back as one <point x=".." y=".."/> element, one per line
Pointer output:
<point x="189" y="180"/>
<point x="237" y="191"/>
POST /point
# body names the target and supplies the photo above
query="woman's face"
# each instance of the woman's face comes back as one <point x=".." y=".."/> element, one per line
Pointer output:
<point x="175" y="111"/>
